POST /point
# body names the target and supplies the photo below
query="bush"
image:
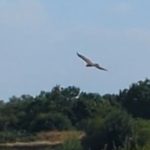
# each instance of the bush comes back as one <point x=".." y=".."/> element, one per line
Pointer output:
<point x="142" y="132"/>
<point x="111" y="131"/>
<point x="50" y="121"/>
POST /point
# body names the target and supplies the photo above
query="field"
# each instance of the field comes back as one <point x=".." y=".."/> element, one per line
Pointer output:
<point x="44" y="141"/>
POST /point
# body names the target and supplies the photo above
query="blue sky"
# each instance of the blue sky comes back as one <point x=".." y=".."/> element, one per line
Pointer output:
<point x="39" y="40"/>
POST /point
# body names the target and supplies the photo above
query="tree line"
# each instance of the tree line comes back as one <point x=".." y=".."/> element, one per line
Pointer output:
<point x="111" y="121"/>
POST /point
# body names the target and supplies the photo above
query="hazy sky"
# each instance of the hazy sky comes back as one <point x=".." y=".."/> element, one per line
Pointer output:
<point x="39" y="40"/>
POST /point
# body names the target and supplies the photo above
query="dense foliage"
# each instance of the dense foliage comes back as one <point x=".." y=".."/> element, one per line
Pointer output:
<point x="110" y="121"/>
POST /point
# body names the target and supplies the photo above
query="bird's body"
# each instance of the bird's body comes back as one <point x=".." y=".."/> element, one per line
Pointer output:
<point x="89" y="63"/>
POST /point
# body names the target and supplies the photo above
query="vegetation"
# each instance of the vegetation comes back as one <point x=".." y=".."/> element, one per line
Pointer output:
<point x="110" y="122"/>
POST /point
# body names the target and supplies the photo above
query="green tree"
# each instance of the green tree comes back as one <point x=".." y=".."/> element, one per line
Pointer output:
<point x="136" y="99"/>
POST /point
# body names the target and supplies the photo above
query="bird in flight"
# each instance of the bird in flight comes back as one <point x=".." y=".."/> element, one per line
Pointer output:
<point x="89" y="63"/>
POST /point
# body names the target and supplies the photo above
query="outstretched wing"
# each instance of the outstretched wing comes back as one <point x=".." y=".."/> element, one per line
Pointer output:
<point x="88" y="61"/>
<point x="99" y="67"/>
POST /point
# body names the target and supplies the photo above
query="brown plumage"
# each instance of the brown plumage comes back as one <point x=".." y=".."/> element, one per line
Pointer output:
<point x="89" y="63"/>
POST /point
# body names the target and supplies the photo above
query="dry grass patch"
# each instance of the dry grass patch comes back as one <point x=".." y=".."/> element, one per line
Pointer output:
<point x="45" y="139"/>
<point x="61" y="136"/>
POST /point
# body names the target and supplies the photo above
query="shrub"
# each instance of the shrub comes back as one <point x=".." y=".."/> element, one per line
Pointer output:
<point x="111" y="131"/>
